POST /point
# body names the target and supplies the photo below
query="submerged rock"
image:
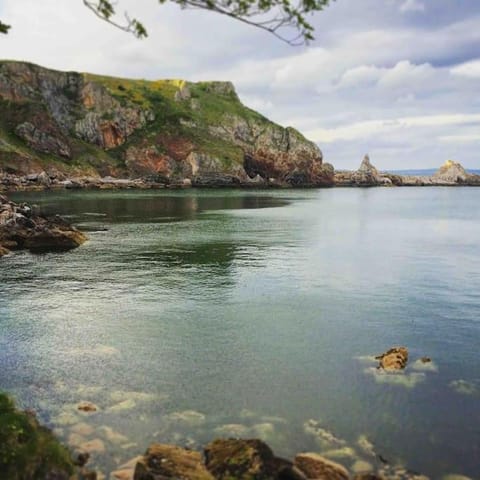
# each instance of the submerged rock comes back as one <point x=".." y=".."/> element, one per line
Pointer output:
<point x="394" y="359"/>
<point x="317" y="467"/>
<point x="87" y="407"/>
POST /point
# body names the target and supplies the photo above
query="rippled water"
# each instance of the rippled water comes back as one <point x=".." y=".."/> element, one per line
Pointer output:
<point x="191" y="310"/>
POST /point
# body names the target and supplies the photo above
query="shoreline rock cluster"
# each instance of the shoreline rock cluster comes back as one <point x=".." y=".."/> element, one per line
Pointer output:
<point x="235" y="459"/>
<point x="449" y="174"/>
<point x="21" y="228"/>
<point x="30" y="451"/>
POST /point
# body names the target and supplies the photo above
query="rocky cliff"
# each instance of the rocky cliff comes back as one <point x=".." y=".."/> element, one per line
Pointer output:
<point x="71" y="124"/>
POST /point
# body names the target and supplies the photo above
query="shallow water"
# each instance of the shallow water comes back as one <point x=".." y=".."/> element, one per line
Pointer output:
<point x="252" y="308"/>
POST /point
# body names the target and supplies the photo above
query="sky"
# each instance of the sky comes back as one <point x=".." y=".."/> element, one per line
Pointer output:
<point x="397" y="79"/>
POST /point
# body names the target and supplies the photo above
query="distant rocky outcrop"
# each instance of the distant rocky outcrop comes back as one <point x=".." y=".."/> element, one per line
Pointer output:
<point x="22" y="228"/>
<point x="450" y="174"/>
<point x="70" y="124"/>
<point x="366" y="176"/>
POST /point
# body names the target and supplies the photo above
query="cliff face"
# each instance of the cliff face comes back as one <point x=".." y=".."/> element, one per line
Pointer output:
<point x="73" y="124"/>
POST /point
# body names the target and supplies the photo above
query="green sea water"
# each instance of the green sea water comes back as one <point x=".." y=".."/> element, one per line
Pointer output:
<point x="194" y="314"/>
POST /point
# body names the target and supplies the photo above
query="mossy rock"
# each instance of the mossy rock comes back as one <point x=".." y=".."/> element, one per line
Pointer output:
<point x="29" y="451"/>
<point x="240" y="459"/>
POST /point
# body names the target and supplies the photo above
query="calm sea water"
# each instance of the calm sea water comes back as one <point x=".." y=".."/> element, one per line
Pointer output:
<point x="195" y="314"/>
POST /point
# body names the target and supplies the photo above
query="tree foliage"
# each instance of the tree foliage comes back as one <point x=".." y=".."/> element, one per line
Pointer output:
<point x="282" y="18"/>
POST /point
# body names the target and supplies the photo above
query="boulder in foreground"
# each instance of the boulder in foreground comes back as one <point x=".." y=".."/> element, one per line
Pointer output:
<point x="21" y="228"/>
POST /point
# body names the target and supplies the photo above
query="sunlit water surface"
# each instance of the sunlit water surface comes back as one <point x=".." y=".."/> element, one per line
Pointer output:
<point x="196" y="314"/>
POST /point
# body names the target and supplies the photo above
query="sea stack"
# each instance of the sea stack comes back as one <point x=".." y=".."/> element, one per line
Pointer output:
<point x="451" y="172"/>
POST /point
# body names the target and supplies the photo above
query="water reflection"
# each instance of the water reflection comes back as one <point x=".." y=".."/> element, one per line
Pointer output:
<point x="142" y="206"/>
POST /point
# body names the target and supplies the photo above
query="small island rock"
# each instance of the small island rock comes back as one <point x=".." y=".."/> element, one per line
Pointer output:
<point x="394" y="359"/>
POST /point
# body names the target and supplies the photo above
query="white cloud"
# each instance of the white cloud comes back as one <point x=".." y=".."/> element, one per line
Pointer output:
<point x="412" y="6"/>
<point x="361" y="76"/>
<point x="372" y="128"/>
<point x="468" y="69"/>
<point x="468" y="138"/>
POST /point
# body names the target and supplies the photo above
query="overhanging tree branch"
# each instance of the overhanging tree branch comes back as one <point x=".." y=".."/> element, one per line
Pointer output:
<point x="278" y="17"/>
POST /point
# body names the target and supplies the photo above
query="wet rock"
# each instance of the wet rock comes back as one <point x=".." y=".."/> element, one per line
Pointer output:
<point x="125" y="474"/>
<point x="74" y="440"/>
<point x="21" y="229"/>
<point x="464" y="387"/>
<point x="360" y="466"/>
<point x="121" y="406"/>
<point x="112" y="435"/>
<point x="344" y="452"/>
<point x="317" y="467"/>
<point x="366" y="446"/>
<point x="82" y="459"/>
<point x="82" y="429"/>
<point x="95" y="446"/>
<point x="87" y="407"/>
<point x="243" y="459"/>
<point x="188" y="417"/>
<point x="325" y="438"/>
<point x="168" y="461"/>
<point x="234" y="430"/>
<point x="394" y="359"/>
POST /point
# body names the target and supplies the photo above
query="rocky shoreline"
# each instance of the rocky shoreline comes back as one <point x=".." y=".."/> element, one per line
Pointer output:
<point x="30" y="451"/>
<point x="450" y="174"/>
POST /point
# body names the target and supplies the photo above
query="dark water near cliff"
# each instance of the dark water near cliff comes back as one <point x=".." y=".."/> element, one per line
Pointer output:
<point x="189" y="311"/>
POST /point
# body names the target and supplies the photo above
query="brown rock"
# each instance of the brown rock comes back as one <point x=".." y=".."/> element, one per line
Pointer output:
<point x="149" y="162"/>
<point x="243" y="459"/>
<point x="394" y="359"/>
<point x="318" y="467"/>
<point x="168" y="461"/>
<point x="87" y="407"/>
<point x="21" y="228"/>
<point x="124" y="474"/>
